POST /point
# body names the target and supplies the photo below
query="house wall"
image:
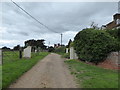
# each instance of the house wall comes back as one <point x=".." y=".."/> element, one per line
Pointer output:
<point x="111" y="25"/>
<point x="116" y="16"/>
<point x="114" y="23"/>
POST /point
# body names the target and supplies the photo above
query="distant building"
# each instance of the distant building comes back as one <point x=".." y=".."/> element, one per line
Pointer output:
<point x="103" y="27"/>
<point x="116" y="21"/>
<point x="114" y="24"/>
<point x="57" y="45"/>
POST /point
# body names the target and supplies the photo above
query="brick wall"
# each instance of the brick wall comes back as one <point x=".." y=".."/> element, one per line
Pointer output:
<point x="111" y="25"/>
<point x="113" y="57"/>
<point x="112" y="61"/>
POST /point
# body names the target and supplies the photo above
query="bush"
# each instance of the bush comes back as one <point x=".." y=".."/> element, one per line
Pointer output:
<point x="60" y="49"/>
<point x="94" y="45"/>
<point x="51" y="49"/>
<point x="66" y="55"/>
<point x="114" y="33"/>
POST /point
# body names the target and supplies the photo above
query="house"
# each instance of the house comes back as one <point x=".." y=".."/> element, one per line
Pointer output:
<point x="57" y="45"/>
<point x="115" y="23"/>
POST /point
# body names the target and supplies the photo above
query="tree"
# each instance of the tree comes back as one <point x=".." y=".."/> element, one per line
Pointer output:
<point x="40" y="43"/>
<point x="70" y="41"/>
<point x="5" y="48"/>
<point x="35" y="44"/>
<point x="51" y="49"/>
<point x="16" y="47"/>
<point x="94" y="25"/>
<point x="31" y="42"/>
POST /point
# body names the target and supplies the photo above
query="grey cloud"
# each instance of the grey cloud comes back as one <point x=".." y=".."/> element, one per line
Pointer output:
<point x="24" y="33"/>
<point x="55" y="15"/>
<point x="60" y="17"/>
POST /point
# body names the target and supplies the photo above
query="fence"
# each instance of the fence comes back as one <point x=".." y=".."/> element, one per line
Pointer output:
<point x="8" y="56"/>
<point x="0" y="56"/>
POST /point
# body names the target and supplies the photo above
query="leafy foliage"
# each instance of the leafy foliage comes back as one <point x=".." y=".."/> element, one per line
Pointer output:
<point x="94" y="45"/>
<point x="5" y="48"/>
<point x="114" y="33"/>
<point x="66" y="55"/>
<point x="70" y="41"/>
<point x="50" y="49"/>
<point x="60" y="49"/>
<point x="16" y="47"/>
<point x="35" y="44"/>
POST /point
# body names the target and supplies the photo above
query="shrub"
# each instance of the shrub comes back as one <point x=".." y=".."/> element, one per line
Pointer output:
<point x="94" y="45"/>
<point x="114" y="33"/>
<point x="66" y="55"/>
<point x="60" y="49"/>
<point x="51" y="49"/>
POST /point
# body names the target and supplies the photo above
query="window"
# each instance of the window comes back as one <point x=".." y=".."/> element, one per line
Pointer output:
<point x="118" y="21"/>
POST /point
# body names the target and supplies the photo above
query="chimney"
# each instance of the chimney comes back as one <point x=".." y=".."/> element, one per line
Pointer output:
<point x="116" y="18"/>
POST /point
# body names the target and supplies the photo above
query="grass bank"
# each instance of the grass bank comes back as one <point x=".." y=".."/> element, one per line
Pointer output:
<point x="64" y="55"/>
<point x="14" y="67"/>
<point x="89" y="76"/>
<point x="0" y="76"/>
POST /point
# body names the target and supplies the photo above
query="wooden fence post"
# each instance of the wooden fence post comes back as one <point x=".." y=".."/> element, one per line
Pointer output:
<point x="1" y="56"/>
<point x="20" y="53"/>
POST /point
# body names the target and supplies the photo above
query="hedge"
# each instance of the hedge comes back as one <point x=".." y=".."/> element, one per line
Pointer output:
<point x="94" y="45"/>
<point x="60" y="49"/>
<point x="114" y="33"/>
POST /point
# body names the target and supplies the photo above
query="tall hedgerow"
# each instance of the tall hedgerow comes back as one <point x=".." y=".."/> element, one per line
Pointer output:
<point x="94" y="45"/>
<point x="60" y="49"/>
<point x="114" y="33"/>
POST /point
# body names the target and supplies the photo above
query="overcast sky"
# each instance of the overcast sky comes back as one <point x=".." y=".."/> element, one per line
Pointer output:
<point x="62" y="17"/>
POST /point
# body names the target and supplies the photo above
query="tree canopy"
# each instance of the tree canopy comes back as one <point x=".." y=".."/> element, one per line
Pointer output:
<point x="35" y="43"/>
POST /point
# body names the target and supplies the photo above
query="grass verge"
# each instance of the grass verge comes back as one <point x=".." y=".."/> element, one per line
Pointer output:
<point x="64" y="55"/>
<point x="89" y="76"/>
<point x="0" y="77"/>
<point x="13" y="67"/>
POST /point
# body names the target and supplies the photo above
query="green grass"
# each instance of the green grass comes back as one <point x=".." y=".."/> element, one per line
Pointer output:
<point x="64" y="55"/>
<point x="0" y="77"/>
<point x="60" y="53"/>
<point x="13" y="67"/>
<point x="89" y="76"/>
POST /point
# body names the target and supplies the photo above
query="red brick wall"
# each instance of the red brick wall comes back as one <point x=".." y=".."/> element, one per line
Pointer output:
<point x="111" y="25"/>
<point x="112" y="61"/>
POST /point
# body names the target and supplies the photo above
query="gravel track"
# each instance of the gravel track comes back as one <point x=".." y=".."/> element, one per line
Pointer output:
<point x="51" y="72"/>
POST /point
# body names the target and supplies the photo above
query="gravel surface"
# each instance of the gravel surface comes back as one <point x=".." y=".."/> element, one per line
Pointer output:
<point x="51" y="72"/>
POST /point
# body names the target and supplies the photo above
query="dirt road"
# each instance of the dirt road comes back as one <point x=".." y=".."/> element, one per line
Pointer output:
<point x="51" y="72"/>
